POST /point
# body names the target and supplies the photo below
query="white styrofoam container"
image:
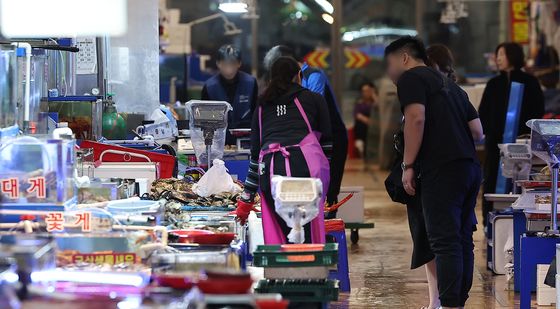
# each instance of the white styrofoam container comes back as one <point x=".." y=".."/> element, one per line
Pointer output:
<point x="128" y="170"/>
<point x="546" y="295"/>
<point x="557" y="292"/>
<point x="353" y="210"/>
<point x="502" y="229"/>
<point x="255" y="233"/>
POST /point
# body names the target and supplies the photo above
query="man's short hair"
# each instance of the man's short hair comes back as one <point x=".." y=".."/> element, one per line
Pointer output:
<point x="228" y="53"/>
<point x="276" y="52"/>
<point x="409" y="44"/>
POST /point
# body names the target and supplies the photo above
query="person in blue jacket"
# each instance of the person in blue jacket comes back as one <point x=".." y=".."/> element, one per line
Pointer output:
<point x="316" y="80"/>
<point x="233" y="86"/>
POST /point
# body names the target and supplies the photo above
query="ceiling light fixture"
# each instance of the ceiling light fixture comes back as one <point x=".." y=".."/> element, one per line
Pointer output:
<point x="325" y="5"/>
<point x="233" y="7"/>
<point x="328" y="18"/>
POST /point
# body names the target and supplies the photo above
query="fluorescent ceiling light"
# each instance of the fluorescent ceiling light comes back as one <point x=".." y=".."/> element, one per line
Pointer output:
<point x="328" y="18"/>
<point x="366" y="32"/>
<point x="233" y="7"/>
<point x="62" y="18"/>
<point x="325" y="5"/>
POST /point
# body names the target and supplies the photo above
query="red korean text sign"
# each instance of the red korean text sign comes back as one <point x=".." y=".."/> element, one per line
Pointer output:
<point x="55" y="221"/>
<point x="32" y="187"/>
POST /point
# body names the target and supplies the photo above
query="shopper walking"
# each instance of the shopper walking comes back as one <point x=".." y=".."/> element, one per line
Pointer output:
<point x="438" y="146"/>
<point x="233" y="86"/>
<point x="291" y="136"/>
<point x="365" y="108"/>
<point x="439" y="57"/>
<point x="317" y="81"/>
<point x="510" y="59"/>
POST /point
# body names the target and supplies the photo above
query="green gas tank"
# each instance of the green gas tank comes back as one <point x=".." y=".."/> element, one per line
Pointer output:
<point x="114" y="125"/>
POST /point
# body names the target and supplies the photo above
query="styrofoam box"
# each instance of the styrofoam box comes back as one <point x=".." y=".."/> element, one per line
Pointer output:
<point x="502" y="230"/>
<point x="353" y="210"/>
<point x="557" y="292"/>
<point x="546" y="295"/>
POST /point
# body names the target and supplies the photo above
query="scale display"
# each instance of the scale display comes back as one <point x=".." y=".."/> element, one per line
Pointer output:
<point x="545" y="138"/>
<point x="208" y="121"/>
<point x="208" y="115"/>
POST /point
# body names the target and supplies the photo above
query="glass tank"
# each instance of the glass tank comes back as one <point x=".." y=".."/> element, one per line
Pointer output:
<point x="8" y="78"/>
<point x="36" y="171"/>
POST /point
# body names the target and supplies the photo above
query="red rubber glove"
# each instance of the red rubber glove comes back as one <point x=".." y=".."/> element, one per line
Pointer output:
<point x="243" y="210"/>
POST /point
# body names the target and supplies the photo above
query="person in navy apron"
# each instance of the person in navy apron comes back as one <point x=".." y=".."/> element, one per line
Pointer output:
<point x="290" y="136"/>
<point x="233" y="86"/>
<point x="316" y="80"/>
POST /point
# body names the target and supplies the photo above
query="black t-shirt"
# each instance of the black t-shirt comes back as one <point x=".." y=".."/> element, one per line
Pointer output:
<point x="282" y="122"/>
<point x="447" y="136"/>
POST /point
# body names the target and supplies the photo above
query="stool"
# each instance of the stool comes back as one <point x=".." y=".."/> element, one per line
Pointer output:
<point x="342" y="270"/>
<point x="534" y="250"/>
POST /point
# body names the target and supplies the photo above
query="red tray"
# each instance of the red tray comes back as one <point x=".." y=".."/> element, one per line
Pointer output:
<point x="223" y="283"/>
<point x="203" y="237"/>
<point x="178" y="282"/>
<point x="166" y="162"/>
<point x="272" y="304"/>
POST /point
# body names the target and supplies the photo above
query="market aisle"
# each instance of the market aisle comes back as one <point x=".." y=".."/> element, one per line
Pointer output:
<point x="380" y="262"/>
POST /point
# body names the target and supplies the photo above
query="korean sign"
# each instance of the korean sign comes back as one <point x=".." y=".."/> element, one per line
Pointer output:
<point x="519" y="27"/>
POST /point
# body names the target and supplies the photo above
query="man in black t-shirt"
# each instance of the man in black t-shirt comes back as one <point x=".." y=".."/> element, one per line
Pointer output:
<point x="439" y="151"/>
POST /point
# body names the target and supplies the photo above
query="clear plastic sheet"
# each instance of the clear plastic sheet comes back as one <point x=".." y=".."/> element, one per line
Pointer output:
<point x="133" y="68"/>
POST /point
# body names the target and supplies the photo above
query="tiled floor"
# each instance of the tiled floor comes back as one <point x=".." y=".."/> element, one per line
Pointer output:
<point x="379" y="263"/>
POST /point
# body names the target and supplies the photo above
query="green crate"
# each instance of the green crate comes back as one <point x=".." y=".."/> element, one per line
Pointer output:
<point x="301" y="290"/>
<point x="273" y="256"/>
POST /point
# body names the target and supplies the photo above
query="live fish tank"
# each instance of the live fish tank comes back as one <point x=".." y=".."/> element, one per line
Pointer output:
<point x="37" y="171"/>
<point x="82" y="113"/>
<point x="8" y="80"/>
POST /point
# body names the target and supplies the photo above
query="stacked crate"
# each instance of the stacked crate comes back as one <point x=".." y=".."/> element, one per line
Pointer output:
<point x="298" y="272"/>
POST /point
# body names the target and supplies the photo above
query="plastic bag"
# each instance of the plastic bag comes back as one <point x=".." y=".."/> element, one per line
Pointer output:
<point x="217" y="180"/>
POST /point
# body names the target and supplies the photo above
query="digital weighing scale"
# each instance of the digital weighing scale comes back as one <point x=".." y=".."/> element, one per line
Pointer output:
<point x="209" y="117"/>
<point x="516" y="162"/>
<point x="297" y="202"/>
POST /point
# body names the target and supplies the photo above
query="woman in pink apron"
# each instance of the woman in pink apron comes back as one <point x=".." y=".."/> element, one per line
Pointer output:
<point x="290" y="136"/>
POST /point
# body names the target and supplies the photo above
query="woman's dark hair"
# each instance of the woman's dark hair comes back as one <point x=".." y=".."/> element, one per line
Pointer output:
<point x="514" y="54"/>
<point x="367" y="83"/>
<point x="439" y="55"/>
<point x="228" y="53"/>
<point x="282" y="73"/>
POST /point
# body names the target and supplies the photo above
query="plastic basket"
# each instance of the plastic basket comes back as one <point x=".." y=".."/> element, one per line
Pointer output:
<point x="297" y="290"/>
<point x="273" y="256"/>
<point x="166" y="162"/>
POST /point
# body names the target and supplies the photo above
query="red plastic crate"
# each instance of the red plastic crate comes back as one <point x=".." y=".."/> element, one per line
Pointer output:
<point x="166" y="162"/>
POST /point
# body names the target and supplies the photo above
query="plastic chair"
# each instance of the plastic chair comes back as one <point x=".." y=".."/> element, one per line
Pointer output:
<point x="335" y="229"/>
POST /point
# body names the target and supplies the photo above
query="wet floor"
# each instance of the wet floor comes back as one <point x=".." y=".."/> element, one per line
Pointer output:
<point x="380" y="263"/>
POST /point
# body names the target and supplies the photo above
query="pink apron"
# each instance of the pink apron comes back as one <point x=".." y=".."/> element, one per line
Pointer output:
<point x="318" y="165"/>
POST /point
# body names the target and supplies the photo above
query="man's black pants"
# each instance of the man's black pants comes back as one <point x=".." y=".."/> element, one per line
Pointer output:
<point x="449" y="196"/>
